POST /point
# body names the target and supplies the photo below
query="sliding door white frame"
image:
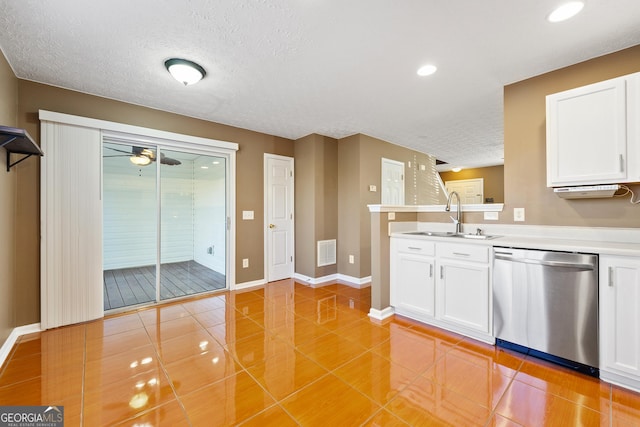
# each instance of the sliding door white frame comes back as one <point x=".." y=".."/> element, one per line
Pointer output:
<point x="59" y="306"/>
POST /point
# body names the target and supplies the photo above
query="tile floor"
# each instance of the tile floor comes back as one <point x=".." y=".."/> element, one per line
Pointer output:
<point x="287" y="354"/>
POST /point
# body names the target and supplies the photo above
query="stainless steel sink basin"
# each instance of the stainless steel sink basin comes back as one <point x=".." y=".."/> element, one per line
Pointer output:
<point x="432" y="233"/>
<point x="449" y="234"/>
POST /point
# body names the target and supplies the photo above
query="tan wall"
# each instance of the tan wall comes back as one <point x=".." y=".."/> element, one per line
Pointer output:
<point x="316" y="201"/>
<point x="249" y="195"/>
<point x="305" y="167"/>
<point x="8" y="284"/>
<point x="380" y="256"/>
<point x="326" y="197"/>
<point x="359" y="165"/>
<point x="525" y="150"/>
<point x="493" y="177"/>
<point x="372" y="150"/>
<point x="349" y="205"/>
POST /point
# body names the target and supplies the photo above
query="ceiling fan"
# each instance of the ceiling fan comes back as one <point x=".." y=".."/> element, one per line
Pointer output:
<point x="141" y="156"/>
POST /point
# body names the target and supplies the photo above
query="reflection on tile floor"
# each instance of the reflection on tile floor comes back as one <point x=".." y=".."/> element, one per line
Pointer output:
<point x="286" y="354"/>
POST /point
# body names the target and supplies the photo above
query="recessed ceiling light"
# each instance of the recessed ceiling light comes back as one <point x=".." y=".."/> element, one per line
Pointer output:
<point x="427" y="70"/>
<point x="204" y="167"/>
<point x="456" y="169"/>
<point x="185" y="71"/>
<point x="565" y="11"/>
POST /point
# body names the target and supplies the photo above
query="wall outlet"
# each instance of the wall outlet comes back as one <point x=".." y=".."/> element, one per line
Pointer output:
<point x="518" y="214"/>
<point x="391" y="216"/>
<point x="245" y="263"/>
<point x="492" y="216"/>
<point x="351" y="259"/>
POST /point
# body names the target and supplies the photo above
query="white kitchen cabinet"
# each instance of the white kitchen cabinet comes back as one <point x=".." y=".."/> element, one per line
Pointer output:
<point x="463" y="286"/>
<point x="620" y="320"/>
<point x="412" y="277"/>
<point x="444" y="284"/>
<point x="593" y="133"/>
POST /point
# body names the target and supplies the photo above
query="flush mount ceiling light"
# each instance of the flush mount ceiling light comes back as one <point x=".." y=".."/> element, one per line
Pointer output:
<point x="427" y="70"/>
<point x="185" y="71"/>
<point x="565" y="11"/>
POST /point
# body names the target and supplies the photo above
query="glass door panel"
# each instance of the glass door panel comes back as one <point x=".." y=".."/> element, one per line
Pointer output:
<point x="130" y="237"/>
<point x="192" y="223"/>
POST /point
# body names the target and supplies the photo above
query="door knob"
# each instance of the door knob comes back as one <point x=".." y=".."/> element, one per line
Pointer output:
<point x="272" y="226"/>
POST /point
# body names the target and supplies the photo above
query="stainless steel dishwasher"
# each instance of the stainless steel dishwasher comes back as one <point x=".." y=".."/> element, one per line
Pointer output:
<point x="546" y="305"/>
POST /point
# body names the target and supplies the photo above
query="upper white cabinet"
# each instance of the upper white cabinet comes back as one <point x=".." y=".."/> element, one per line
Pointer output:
<point x="592" y="133"/>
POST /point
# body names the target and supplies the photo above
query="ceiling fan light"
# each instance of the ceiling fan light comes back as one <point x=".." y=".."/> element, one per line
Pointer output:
<point x="185" y="71"/>
<point x="140" y="160"/>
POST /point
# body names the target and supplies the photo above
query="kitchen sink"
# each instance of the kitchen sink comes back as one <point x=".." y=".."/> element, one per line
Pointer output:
<point x="450" y="234"/>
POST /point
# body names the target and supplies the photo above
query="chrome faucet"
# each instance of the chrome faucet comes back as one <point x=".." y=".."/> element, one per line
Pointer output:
<point x="458" y="220"/>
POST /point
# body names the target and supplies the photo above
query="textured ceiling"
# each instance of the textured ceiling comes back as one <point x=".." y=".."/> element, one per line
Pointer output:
<point x="294" y="67"/>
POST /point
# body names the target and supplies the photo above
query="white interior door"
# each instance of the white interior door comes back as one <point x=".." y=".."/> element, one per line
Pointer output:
<point x="471" y="191"/>
<point x="392" y="182"/>
<point x="279" y="240"/>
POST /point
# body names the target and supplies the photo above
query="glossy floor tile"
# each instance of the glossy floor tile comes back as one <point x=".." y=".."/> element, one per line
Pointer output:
<point x="290" y="355"/>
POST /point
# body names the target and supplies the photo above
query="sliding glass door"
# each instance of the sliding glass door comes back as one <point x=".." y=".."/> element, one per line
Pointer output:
<point x="193" y="225"/>
<point x="165" y="223"/>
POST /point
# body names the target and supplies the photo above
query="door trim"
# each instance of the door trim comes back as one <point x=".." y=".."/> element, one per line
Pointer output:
<point x="265" y="190"/>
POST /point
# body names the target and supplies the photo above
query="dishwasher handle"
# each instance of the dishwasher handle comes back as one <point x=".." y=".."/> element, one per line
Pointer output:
<point x="509" y="257"/>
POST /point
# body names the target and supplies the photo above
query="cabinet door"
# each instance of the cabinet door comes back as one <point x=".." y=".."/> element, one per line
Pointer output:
<point x="414" y="285"/>
<point x="586" y="135"/>
<point x="463" y="294"/>
<point x="620" y="315"/>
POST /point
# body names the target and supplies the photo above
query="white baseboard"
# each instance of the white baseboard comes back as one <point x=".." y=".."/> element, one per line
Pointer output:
<point x="362" y="282"/>
<point x="248" y="285"/>
<point x="316" y="282"/>
<point x="381" y="314"/>
<point x="13" y="337"/>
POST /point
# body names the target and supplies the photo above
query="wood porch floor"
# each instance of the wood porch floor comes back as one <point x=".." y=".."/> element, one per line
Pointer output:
<point x="131" y="286"/>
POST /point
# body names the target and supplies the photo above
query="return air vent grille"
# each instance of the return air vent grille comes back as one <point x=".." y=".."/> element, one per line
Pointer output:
<point x="326" y="252"/>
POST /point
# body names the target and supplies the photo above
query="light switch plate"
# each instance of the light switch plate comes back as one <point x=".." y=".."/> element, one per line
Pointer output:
<point x="518" y="214"/>
<point x="391" y="216"/>
<point x="247" y="214"/>
<point x="373" y="188"/>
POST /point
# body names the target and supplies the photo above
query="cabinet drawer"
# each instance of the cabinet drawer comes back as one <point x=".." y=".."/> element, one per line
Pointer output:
<point x="477" y="253"/>
<point x="418" y="246"/>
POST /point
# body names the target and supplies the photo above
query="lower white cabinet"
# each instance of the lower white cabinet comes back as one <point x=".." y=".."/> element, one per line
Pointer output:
<point x="620" y="320"/>
<point x="464" y="294"/>
<point x="414" y="267"/>
<point x="444" y="284"/>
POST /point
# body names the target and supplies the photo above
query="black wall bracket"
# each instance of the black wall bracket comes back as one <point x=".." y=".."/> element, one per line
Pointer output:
<point x="18" y="141"/>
